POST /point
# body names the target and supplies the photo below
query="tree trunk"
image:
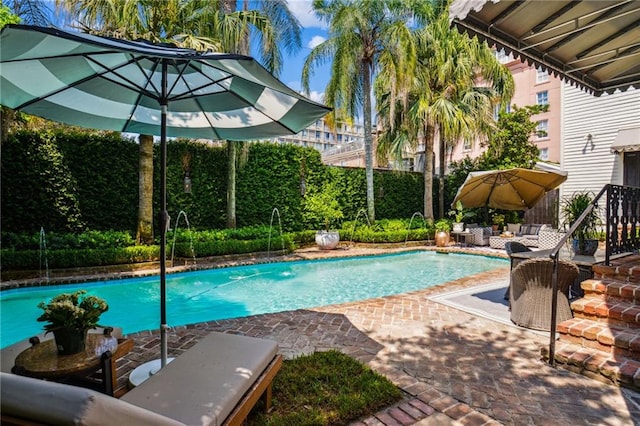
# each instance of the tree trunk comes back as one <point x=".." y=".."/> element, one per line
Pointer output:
<point x="144" y="234"/>
<point x="231" y="184"/>
<point x="429" y="132"/>
<point x="441" y="159"/>
<point x="368" y="142"/>
<point x="7" y="115"/>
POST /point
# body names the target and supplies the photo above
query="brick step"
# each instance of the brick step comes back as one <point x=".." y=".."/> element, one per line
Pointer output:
<point x="611" y="290"/>
<point x="611" y="312"/>
<point x="609" y="339"/>
<point x="607" y="368"/>
<point x="624" y="269"/>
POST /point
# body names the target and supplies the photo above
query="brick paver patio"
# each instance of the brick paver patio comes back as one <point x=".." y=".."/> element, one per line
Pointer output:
<point x="455" y="368"/>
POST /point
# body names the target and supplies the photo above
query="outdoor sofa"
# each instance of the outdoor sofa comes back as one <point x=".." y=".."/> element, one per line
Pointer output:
<point x="215" y="382"/>
<point x="537" y="235"/>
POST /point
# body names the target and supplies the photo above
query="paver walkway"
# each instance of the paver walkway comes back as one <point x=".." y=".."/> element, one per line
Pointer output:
<point x="456" y="368"/>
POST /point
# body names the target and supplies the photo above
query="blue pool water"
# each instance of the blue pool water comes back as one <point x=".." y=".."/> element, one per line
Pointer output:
<point x="246" y="290"/>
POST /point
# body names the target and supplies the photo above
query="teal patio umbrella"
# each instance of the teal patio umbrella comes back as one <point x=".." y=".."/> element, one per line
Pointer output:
<point x="139" y="87"/>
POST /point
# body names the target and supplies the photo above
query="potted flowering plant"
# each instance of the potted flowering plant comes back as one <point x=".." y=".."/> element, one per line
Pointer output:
<point x="69" y="317"/>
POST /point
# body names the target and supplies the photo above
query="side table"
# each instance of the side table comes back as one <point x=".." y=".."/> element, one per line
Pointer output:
<point x="42" y="361"/>
<point x="461" y="235"/>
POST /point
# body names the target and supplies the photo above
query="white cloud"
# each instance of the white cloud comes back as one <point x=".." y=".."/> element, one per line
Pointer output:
<point x="315" y="40"/>
<point x="316" y="96"/>
<point x="303" y="10"/>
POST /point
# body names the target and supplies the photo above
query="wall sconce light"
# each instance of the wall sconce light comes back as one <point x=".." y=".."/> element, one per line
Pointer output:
<point x="589" y="142"/>
<point x="186" y="183"/>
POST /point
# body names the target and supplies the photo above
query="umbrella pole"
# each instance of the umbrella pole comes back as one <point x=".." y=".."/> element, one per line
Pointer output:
<point x="164" y="218"/>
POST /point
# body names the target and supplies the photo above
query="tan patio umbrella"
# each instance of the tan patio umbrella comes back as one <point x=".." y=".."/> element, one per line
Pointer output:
<point x="510" y="189"/>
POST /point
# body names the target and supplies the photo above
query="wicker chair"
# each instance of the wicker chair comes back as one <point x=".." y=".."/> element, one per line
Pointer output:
<point x="513" y="247"/>
<point x="530" y="292"/>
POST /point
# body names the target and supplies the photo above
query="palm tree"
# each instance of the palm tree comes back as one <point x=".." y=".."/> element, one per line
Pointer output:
<point x="213" y="25"/>
<point x="442" y="98"/>
<point x="287" y="35"/>
<point x="31" y="12"/>
<point x="360" y="32"/>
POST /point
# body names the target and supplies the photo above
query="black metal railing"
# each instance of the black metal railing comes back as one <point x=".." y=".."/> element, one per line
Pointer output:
<point x="622" y="215"/>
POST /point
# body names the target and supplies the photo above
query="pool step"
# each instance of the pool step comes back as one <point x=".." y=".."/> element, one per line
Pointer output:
<point x="602" y="341"/>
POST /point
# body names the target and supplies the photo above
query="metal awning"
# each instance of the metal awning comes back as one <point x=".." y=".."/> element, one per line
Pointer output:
<point x="594" y="44"/>
<point x="627" y="140"/>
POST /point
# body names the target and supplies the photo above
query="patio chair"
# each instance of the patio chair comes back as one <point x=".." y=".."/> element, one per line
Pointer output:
<point x="513" y="247"/>
<point x="530" y="292"/>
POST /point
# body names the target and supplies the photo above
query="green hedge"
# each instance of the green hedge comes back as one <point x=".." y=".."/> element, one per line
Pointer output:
<point x="73" y="181"/>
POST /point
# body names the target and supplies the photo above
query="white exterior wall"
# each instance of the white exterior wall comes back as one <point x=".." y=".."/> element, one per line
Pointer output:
<point x="590" y="167"/>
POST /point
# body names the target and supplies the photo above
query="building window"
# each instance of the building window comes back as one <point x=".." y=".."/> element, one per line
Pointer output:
<point x="542" y="131"/>
<point x="542" y="75"/>
<point x="317" y="134"/>
<point x="467" y="145"/>
<point x="544" y="154"/>
<point x="496" y="111"/>
<point x="542" y="98"/>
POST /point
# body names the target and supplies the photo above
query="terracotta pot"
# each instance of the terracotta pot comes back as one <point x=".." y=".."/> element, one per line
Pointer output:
<point x="442" y="238"/>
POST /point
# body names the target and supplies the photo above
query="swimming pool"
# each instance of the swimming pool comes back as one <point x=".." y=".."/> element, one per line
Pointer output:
<point x="245" y="290"/>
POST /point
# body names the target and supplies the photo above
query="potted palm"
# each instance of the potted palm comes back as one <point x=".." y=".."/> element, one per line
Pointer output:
<point x="69" y="317"/>
<point x="585" y="237"/>
<point x="322" y="208"/>
<point x="442" y="232"/>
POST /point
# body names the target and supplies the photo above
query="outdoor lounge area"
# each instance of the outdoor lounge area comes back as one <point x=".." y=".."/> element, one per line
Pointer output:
<point x="216" y="382"/>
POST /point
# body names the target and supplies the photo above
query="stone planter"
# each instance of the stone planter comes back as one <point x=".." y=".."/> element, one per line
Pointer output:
<point x="442" y="238"/>
<point x="69" y="341"/>
<point x="327" y="240"/>
<point x="458" y="227"/>
<point x="587" y="248"/>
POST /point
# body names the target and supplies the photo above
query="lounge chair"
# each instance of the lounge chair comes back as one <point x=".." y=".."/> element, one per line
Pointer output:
<point x="215" y="382"/>
<point x="530" y="292"/>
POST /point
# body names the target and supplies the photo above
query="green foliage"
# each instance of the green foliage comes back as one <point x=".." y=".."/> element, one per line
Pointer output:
<point x="322" y="208"/>
<point x="443" y="225"/>
<point x="509" y="146"/>
<point x="325" y="388"/>
<point x="56" y="240"/>
<point x="72" y="310"/>
<point x="7" y="17"/>
<point x="498" y="219"/>
<point x="89" y="180"/>
<point x="37" y="186"/>
<point x="572" y="208"/>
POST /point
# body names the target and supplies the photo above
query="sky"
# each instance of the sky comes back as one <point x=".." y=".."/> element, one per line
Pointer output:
<point x="314" y="32"/>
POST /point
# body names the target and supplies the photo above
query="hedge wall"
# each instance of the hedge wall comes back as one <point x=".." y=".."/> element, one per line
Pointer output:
<point x="72" y="181"/>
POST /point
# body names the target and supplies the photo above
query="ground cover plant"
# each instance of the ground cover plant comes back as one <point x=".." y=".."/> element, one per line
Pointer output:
<point x="325" y="388"/>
